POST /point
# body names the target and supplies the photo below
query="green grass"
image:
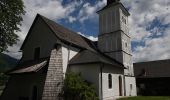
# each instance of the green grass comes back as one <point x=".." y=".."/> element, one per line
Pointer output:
<point x="146" y="98"/>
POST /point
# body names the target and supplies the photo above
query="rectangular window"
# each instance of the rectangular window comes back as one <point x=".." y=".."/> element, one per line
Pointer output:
<point x="110" y="81"/>
<point x="37" y="53"/>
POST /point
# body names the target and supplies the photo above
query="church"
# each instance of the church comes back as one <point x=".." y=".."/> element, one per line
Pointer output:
<point x="51" y="50"/>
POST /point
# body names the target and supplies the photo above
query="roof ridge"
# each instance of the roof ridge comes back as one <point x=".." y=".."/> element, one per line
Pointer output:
<point x="66" y="34"/>
<point x="152" y="61"/>
<point x="62" y="26"/>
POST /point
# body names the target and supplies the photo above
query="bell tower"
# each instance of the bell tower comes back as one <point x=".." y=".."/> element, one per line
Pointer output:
<point x="114" y="39"/>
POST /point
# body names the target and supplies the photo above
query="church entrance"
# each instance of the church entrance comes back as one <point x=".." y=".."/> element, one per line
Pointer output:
<point x="120" y="86"/>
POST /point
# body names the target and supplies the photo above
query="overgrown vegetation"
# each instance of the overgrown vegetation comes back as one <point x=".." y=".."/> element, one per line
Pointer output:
<point x="75" y="88"/>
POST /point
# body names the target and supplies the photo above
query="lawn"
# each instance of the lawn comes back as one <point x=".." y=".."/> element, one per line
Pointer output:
<point x="146" y="98"/>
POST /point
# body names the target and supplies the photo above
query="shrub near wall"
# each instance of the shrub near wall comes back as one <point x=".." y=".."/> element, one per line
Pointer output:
<point x="75" y="88"/>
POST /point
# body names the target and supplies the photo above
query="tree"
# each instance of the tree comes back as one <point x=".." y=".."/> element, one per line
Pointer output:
<point x="11" y="12"/>
<point x="75" y="88"/>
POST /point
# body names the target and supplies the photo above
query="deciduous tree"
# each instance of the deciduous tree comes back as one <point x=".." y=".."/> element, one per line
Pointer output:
<point x="11" y="12"/>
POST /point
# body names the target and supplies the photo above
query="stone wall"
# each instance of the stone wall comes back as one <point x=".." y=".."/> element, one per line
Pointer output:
<point x="54" y="79"/>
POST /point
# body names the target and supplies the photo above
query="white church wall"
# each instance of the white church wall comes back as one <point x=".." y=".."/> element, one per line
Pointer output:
<point x="89" y="72"/>
<point x="113" y="92"/>
<point x="130" y="86"/>
<point x="67" y="54"/>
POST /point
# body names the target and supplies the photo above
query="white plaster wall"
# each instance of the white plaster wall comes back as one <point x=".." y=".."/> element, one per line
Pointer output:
<point x="67" y="54"/>
<point x="129" y="91"/>
<point x="89" y="72"/>
<point x="114" y="91"/>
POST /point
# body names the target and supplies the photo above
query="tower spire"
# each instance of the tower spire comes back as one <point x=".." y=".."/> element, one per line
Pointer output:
<point x="112" y="1"/>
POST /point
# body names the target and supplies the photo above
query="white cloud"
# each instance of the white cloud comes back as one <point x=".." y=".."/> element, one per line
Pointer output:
<point x="88" y="11"/>
<point x="52" y="9"/>
<point x="89" y="37"/>
<point x="143" y="13"/>
<point x="71" y="19"/>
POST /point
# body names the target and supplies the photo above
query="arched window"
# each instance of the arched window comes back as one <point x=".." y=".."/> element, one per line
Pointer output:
<point x="110" y="81"/>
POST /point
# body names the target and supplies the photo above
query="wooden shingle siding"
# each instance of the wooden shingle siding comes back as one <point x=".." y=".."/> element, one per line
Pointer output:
<point x="54" y="79"/>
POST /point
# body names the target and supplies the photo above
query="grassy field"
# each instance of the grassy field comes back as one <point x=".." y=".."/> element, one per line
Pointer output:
<point x="146" y="98"/>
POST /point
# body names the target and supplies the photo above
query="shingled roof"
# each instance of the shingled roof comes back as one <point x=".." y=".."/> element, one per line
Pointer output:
<point x="68" y="35"/>
<point x="87" y="56"/>
<point x="152" y="69"/>
<point x="64" y="34"/>
<point x="29" y="66"/>
<point x="90" y="51"/>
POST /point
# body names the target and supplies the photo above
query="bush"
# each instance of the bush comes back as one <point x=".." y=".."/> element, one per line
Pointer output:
<point x="3" y="79"/>
<point x="75" y="88"/>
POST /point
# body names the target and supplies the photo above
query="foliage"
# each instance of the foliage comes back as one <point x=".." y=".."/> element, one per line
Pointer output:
<point x="3" y="79"/>
<point x="146" y="98"/>
<point x="11" y="12"/>
<point x="75" y="88"/>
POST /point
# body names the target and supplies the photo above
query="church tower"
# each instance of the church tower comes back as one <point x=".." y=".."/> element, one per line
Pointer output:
<point x="114" y="39"/>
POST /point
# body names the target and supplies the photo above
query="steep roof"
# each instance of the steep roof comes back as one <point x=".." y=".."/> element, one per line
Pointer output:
<point x="152" y="69"/>
<point x="87" y="56"/>
<point x="69" y="36"/>
<point x="63" y="34"/>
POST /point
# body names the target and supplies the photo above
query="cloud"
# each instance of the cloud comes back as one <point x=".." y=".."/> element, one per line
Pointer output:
<point x="151" y="38"/>
<point x="53" y="9"/>
<point x="89" y="37"/>
<point x="71" y="19"/>
<point x="154" y="35"/>
<point x="88" y="11"/>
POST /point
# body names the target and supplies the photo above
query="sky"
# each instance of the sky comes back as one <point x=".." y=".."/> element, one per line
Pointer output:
<point x="149" y="23"/>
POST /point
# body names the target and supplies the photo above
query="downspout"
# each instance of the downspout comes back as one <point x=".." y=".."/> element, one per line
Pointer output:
<point x="68" y="53"/>
<point x="101" y="81"/>
<point x="124" y="85"/>
<point x="68" y="56"/>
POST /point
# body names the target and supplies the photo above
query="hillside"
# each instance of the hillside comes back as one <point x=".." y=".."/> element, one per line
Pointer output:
<point x="6" y="62"/>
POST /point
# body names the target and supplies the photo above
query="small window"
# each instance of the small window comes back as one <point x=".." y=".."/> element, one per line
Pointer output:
<point x="126" y="44"/>
<point x="131" y="86"/>
<point x="37" y="53"/>
<point x="110" y="81"/>
<point x="123" y="20"/>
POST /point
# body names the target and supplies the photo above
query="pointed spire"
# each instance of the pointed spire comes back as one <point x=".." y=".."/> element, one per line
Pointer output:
<point x="112" y="1"/>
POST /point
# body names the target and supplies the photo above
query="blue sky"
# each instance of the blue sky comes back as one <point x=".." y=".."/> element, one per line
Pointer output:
<point x="149" y="23"/>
